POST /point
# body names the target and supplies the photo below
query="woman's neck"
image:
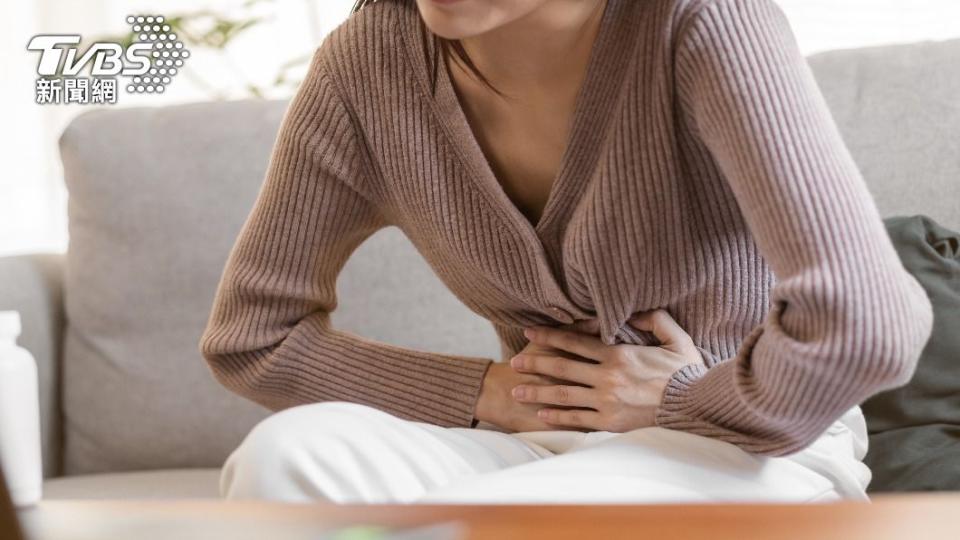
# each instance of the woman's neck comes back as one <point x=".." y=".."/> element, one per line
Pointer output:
<point x="547" y="47"/>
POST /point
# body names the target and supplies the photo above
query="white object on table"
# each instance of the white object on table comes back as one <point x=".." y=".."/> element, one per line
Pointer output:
<point x="19" y="415"/>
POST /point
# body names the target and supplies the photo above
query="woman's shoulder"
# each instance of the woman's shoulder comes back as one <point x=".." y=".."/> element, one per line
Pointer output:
<point x="367" y="39"/>
<point x="720" y="12"/>
<point x="693" y="6"/>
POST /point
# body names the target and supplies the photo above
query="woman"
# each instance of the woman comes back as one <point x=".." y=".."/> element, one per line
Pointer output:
<point x="650" y="202"/>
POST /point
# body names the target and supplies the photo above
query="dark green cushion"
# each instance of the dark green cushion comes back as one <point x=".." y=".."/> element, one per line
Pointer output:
<point x="915" y="429"/>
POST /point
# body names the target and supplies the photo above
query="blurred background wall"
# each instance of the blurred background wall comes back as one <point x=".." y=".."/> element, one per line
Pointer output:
<point x="243" y="46"/>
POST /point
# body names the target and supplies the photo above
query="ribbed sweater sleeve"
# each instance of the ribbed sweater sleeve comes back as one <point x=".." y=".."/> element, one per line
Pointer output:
<point x="846" y="320"/>
<point x="269" y="336"/>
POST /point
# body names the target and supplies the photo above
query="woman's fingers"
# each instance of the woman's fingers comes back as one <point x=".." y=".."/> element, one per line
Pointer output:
<point x="566" y="369"/>
<point x="662" y="325"/>
<point x="577" y="343"/>
<point x="578" y="418"/>
<point x="572" y="396"/>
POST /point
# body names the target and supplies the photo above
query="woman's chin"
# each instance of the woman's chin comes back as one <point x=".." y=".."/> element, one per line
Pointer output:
<point x="459" y="19"/>
<point x="449" y="27"/>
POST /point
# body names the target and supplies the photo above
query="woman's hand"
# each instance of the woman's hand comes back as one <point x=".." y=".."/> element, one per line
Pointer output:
<point x="496" y="404"/>
<point x="622" y="384"/>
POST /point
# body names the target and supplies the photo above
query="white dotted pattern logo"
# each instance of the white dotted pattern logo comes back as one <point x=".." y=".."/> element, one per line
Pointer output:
<point x="166" y="57"/>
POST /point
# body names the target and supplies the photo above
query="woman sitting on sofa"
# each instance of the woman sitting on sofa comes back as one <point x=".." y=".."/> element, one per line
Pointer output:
<point x="650" y="202"/>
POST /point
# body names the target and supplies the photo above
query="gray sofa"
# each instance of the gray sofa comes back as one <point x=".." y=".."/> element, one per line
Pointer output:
<point x="157" y="196"/>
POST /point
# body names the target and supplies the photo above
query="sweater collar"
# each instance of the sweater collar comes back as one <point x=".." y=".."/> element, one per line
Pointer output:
<point x="606" y="69"/>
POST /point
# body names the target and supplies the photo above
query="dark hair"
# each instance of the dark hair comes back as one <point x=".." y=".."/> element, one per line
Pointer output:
<point x="449" y="48"/>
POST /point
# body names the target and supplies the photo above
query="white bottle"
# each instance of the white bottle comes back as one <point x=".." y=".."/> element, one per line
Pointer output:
<point x="19" y="415"/>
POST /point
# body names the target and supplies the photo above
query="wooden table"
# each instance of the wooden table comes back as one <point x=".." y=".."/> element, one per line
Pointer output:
<point x="915" y="517"/>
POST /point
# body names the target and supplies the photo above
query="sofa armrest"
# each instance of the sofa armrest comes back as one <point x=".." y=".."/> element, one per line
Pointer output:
<point x="32" y="285"/>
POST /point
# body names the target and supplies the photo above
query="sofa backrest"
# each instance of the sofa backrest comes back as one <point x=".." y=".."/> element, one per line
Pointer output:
<point x="898" y="108"/>
<point x="158" y="195"/>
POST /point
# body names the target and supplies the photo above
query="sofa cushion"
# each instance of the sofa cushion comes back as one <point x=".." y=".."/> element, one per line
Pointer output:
<point x="165" y="484"/>
<point x="157" y="198"/>
<point x="897" y="108"/>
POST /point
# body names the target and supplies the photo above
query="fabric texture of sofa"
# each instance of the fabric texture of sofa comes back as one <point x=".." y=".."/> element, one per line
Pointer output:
<point x="158" y="195"/>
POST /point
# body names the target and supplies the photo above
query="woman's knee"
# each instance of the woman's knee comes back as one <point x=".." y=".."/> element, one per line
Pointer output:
<point x="270" y="460"/>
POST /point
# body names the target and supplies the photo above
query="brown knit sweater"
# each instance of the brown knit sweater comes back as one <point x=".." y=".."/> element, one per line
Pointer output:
<point x="704" y="174"/>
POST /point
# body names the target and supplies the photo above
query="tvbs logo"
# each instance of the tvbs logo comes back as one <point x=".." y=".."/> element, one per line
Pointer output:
<point x="148" y="65"/>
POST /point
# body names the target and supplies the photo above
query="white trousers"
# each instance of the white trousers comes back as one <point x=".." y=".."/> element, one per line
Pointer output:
<point x="350" y="453"/>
